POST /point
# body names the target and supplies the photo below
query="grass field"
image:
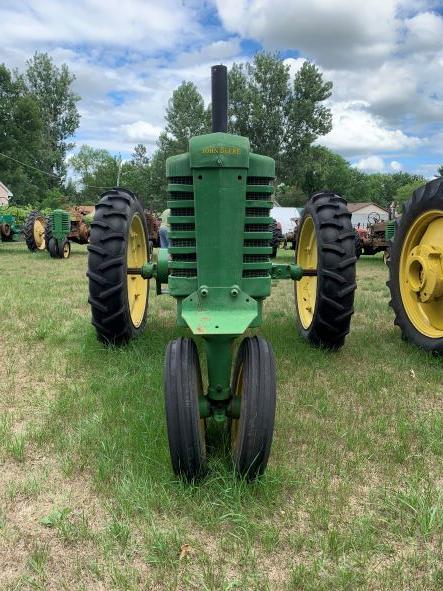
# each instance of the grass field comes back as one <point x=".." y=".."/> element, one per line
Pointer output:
<point x="352" y="499"/>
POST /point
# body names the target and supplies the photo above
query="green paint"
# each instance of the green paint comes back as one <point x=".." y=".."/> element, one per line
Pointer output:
<point x="291" y="271"/>
<point x="219" y="269"/>
<point x="219" y="358"/>
<point x="10" y="220"/>
<point x="61" y="224"/>
<point x="390" y="230"/>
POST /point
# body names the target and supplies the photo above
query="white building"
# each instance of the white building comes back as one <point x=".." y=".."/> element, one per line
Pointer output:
<point x="361" y="211"/>
<point x="286" y="216"/>
<point x="5" y="194"/>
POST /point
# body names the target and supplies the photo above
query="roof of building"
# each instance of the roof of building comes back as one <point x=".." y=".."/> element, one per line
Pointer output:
<point x="356" y="206"/>
<point x="8" y="191"/>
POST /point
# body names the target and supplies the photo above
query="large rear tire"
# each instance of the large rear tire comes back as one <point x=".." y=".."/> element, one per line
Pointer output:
<point x="415" y="268"/>
<point x="118" y="240"/>
<point x="34" y="231"/>
<point x="186" y="430"/>
<point x="254" y="382"/>
<point x="326" y="243"/>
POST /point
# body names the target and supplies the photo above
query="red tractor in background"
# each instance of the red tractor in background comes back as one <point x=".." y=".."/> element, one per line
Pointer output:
<point x="373" y="238"/>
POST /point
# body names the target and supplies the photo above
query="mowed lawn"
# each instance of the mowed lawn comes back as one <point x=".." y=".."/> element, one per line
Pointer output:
<point x="352" y="498"/>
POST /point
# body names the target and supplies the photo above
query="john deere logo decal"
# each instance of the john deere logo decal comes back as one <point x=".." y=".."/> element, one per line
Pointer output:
<point x="231" y="150"/>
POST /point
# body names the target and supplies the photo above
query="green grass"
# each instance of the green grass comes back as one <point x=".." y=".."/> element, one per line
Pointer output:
<point x="352" y="498"/>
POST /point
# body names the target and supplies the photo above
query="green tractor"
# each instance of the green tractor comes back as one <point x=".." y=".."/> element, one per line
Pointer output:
<point x="9" y="230"/>
<point x="56" y="231"/>
<point x="416" y="268"/>
<point x="220" y="280"/>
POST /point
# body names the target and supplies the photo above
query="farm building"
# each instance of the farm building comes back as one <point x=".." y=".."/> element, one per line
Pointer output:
<point x="360" y="212"/>
<point x="5" y="194"/>
<point x="286" y="216"/>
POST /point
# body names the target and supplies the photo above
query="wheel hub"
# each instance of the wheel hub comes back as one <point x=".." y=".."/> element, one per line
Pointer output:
<point x="421" y="273"/>
<point x="425" y="272"/>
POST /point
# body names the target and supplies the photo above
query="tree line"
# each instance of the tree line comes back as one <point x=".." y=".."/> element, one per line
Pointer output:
<point x="283" y="116"/>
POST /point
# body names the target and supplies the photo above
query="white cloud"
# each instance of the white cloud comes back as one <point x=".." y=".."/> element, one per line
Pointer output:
<point x="357" y="131"/>
<point x="395" y="166"/>
<point x="385" y="58"/>
<point x="425" y="32"/>
<point x="141" y="132"/>
<point x="371" y="164"/>
<point x="111" y="23"/>
<point x="342" y="32"/>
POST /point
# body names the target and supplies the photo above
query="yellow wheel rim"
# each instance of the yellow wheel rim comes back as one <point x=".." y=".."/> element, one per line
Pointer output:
<point x="66" y="250"/>
<point x="306" y="288"/>
<point x="39" y="233"/>
<point x="137" y="256"/>
<point x="421" y="273"/>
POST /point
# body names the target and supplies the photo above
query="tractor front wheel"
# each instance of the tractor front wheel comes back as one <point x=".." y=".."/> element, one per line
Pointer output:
<point x="415" y="268"/>
<point x="254" y="385"/>
<point x="52" y="247"/>
<point x="186" y="430"/>
<point x="64" y="249"/>
<point x="326" y="244"/>
<point x="118" y="241"/>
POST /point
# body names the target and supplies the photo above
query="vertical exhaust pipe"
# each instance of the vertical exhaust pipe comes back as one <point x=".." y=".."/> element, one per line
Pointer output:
<point x="219" y="84"/>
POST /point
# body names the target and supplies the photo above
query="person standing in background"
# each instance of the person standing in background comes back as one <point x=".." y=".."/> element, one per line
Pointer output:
<point x="164" y="229"/>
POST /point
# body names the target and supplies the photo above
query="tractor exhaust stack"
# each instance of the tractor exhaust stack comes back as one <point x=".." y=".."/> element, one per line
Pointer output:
<point x="219" y="83"/>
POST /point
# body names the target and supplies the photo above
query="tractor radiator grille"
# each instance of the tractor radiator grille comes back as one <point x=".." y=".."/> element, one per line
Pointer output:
<point x="255" y="258"/>
<point x="259" y="180"/>
<point x="182" y="234"/>
<point x="180" y="180"/>
<point x="253" y="196"/>
<point x="257" y="264"/>
<point x="181" y="195"/>
<point x="257" y="212"/>
<point x="182" y="211"/>
<point x="255" y="273"/>
<point x="258" y="228"/>
<point x="182" y="242"/>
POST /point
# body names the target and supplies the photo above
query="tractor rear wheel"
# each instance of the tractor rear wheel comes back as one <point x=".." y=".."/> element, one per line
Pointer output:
<point x="415" y="268"/>
<point x="254" y="383"/>
<point x="325" y="243"/>
<point x="358" y="245"/>
<point x="118" y="241"/>
<point x="186" y="430"/>
<point x="34" y="231"/>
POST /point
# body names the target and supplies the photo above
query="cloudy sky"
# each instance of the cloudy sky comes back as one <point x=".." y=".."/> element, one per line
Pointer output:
<point x="385" y="58"/>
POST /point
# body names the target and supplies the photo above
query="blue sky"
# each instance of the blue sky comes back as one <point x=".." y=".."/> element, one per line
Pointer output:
<point x="385" y="58"/>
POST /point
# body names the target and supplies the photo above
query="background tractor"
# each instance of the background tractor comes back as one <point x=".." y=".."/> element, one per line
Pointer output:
<point x="416" y="268"/>
<point x="220" y="280"/>
<point x="56" y="232"/>
<point x="375" y="237"/>
<point x="9" y="230"/>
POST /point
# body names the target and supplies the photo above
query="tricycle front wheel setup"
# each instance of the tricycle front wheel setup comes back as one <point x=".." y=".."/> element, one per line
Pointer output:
<point x="416" y="268"/>
<point x="326" y="244"/>
<point x="183" y="390"/>
<point x="254" y="392"/>
<point x="118" y="241"/>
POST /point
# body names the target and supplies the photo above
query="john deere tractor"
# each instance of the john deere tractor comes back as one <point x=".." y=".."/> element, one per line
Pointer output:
<point x="416" y="268"/>
<point x="220" y="278"/>
<point x="56" y="231"/>
<point x="9" y="230"/>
